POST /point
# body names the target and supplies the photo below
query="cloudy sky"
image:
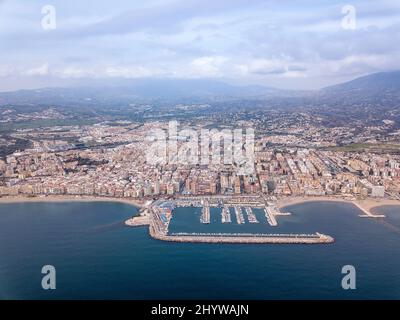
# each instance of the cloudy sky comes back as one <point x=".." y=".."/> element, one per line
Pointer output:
<point x="287" y="44"/>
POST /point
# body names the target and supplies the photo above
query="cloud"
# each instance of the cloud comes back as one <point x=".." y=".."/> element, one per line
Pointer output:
<point x="262" y="41"/>
<point x="130" y="72"/>
<point x="38" y="71"/>
<point x="206" y="66"/>
<point x="271" y="67"/>
<point x="360" y="64"/>
<point x="6" y="71"/>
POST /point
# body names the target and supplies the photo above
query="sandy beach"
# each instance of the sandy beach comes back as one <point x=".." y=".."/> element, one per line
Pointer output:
<point x="369" y="205"/>
<point x="16" y="199"/>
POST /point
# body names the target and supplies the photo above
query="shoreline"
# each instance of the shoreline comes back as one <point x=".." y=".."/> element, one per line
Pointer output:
<point x="21" y="199"/>
<point x="368" y="206"/>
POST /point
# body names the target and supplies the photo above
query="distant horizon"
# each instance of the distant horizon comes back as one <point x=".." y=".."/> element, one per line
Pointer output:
<point x="104" y="82"/>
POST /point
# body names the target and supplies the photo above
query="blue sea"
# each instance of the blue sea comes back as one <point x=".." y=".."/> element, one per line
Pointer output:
<point x="97" y="257"/>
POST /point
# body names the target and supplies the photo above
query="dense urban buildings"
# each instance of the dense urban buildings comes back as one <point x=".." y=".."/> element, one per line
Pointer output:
<point x="290" y="159"/>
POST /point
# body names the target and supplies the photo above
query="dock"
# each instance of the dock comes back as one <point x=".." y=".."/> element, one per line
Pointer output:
<point x="269" y="214"/>
<point x="250" y="215"/>
<point x="367" y="214"/>
<point x="226" y="215"/>
<point x="239" y="215"/>
<point x="205" y="214"/>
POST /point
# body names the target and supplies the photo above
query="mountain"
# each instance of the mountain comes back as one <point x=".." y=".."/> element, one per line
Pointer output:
<point x="373" y="84"/>
<point x="371" y="90"/>
<point x="127" y="91"/>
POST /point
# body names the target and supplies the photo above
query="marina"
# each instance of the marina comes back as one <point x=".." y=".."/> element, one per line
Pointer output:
<point x="160" y="213"/>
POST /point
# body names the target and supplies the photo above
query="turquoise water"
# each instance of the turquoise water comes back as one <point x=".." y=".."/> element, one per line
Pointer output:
<point x="97" y="257"/>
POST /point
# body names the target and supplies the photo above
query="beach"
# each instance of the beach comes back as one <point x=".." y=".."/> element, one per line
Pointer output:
<point x="368" y="205"/>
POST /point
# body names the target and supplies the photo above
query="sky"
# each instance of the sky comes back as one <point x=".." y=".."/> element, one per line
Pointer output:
<point x="291" y="44"/>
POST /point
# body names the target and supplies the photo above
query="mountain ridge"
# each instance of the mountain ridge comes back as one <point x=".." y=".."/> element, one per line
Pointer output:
<point x="375" y="82"/>
<point x="376" y="86"/>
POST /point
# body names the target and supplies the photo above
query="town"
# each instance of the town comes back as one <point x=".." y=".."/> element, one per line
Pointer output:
<point x="109" y="160"/>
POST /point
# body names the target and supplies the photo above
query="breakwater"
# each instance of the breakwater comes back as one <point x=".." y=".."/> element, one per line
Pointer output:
<point x="316" y="238"/>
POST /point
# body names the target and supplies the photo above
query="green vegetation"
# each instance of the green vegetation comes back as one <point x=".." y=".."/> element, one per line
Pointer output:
<point x="9" y="127"/>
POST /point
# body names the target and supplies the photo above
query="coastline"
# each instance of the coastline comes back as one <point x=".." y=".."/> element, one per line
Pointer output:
<point x="20" y="199"/>
<point x="368" y="205"/>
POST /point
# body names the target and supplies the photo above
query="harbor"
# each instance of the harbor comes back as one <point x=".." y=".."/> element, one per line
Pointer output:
<point x="159" y="214"/>
<point x="237" y="204"/>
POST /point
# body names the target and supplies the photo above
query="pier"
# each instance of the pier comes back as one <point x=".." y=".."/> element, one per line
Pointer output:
<point x="205" y="213"/>
<point x="250" y="215"/>
<point x="226" y="215"/>
<point x="269" y="214"/>
<point x="239" y="215"/>
<point x="271" y="211"/>
<point x="368" y="214"/>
